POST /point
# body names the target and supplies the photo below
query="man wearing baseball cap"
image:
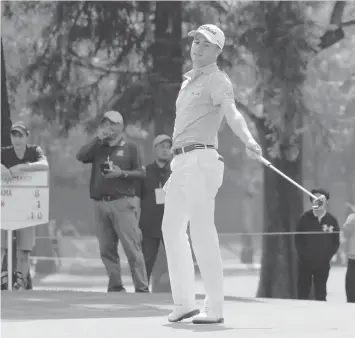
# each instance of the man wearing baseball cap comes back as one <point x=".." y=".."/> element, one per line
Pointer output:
<point x="315" y="251"/>
<point x="205" y="98"/>
<point x="152" y="200"/>
<point x="212" y="33"/>
<point x="116" y="165"/>
<point x="16" y="159"/>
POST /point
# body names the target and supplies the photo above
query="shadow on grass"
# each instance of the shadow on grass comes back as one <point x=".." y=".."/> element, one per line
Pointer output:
<point x="199" y="327"/>
<point x="40" y="305"/>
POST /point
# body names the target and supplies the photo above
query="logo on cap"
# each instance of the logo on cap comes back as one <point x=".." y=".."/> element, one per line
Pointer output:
<point x="206" y="28"/>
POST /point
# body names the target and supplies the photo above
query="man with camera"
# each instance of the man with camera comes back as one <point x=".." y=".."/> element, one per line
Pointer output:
<point x="116" y="165"/>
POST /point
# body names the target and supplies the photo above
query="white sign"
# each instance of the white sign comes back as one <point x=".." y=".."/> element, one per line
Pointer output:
<point x="25" y="201"/>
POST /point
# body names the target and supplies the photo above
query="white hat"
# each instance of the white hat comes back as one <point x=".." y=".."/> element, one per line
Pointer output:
<point x="160" y="139"/>
<point x="212" y="33"/>
<point x="114" y="116"/>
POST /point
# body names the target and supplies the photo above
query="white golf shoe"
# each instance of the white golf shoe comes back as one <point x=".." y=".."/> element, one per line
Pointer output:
<point x="181" y="313"/>
<point x="208" y="316"/>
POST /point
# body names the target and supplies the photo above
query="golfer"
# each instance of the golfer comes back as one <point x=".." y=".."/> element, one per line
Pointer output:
<point x="205" y="97"/>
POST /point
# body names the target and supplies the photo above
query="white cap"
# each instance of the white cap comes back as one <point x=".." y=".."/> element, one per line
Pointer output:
<point x="114" y="116"/>
<point x="160" y="139"/>
<point x="212" y="33"/>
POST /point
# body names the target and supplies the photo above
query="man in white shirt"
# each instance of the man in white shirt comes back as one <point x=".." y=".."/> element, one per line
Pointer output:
<point x="206" y="96"/>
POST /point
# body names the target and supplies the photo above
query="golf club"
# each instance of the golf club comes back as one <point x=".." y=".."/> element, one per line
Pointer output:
<point x="318" y="201"/>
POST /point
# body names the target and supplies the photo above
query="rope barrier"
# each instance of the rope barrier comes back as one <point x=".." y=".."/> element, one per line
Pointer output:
<point x="279" y="233"/>
<point x="226" y="234"/>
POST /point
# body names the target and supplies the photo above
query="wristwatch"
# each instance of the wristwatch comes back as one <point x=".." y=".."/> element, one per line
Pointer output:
<point x="125" y="175"/>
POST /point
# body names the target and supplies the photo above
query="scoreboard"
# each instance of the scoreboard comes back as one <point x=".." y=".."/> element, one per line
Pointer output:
<point x="25" y="200"/>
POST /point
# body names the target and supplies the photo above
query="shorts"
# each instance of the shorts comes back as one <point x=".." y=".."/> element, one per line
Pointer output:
<point x="25" y="238"/>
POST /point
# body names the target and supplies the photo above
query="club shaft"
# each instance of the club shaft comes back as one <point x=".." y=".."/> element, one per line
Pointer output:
<point x="268" y="164"/>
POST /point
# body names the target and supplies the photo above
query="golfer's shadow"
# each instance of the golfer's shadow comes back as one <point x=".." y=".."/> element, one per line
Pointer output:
<point x="189" y="326"/>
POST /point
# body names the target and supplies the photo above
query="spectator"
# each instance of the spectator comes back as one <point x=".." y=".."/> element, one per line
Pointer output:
<point x="315" y="248"/>
<point x="349" y="233"/>
<point x="116" y="165"/>
<point x="152" y="200"/>
<point x="20" y="157"/>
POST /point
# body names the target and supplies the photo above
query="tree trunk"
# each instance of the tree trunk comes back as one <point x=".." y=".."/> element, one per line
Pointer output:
<point x="283" y="205"/>
<point x="5" y="107"/>
<point x="167" y="63"/>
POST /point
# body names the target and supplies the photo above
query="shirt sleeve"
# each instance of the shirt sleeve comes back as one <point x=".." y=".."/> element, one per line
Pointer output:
<point x="40" y="156"/>
<point x="221" y="89"/>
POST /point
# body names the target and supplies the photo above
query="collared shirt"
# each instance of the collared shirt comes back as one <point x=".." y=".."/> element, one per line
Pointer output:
<point x="319" y="216"/>
<point x="198" y="117"/>
<point x="152" y="213"/>
<point x="122" y="154"/>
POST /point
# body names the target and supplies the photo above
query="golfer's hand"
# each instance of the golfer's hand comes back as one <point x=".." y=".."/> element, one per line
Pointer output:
<point x="253" y="149"/>
<point x="113" y="172"/>
<point x="5" y="174"/>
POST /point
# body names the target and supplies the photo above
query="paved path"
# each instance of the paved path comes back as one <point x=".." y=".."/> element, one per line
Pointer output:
<point x="58" y="314"/>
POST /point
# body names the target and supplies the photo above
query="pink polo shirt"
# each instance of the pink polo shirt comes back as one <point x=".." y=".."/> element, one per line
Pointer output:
<point x="198" y="117"/>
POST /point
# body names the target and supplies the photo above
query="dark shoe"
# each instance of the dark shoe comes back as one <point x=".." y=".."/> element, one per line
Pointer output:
<point x="117" y="289"/>
<point x="142" y="291"/>
<point x="20" y="283"/>
<point x="4" y="280"/>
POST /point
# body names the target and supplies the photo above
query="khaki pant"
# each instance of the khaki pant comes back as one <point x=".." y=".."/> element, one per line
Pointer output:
<point x="190" y="197"/>
<point x="117" y="220"/>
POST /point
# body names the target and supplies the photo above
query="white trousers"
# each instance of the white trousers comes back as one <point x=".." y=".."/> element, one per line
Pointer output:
<point x="190" y="197"/>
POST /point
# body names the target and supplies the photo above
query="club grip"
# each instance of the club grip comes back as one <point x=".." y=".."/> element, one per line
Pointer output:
<point x="264" y="161"/>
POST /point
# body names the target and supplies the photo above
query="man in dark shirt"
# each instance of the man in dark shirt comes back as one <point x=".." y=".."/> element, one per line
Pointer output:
<point x="116" y="165"/>
<point x="152" y="200"/>
<point x="16" y="159"/>
<point x="315" y="248"/>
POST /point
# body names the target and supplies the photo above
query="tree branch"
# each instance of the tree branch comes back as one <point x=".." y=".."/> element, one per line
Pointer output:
<point x="332" y="36"/>
<point x="337" y="13"/>
<point x="347" y="23"/>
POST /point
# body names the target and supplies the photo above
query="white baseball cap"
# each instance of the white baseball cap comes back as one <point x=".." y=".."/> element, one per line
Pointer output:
<point x="160" y="139"/>
<point x="114" y="116"/>
<point x="212" y="33"/>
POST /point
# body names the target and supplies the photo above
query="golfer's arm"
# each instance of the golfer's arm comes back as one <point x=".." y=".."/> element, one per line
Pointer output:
<point x="236" y="121"/>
